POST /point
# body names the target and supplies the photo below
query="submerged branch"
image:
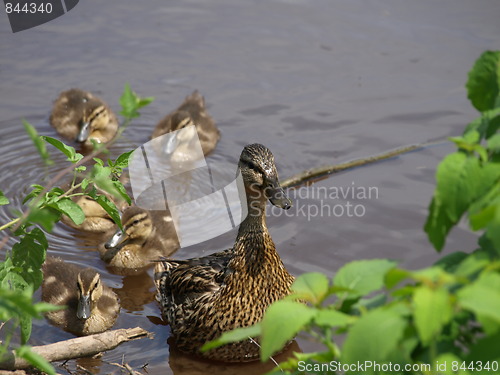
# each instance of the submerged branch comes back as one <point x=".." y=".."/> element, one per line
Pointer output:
<point x="76" y="348"/>
<point x="318" y="172"/>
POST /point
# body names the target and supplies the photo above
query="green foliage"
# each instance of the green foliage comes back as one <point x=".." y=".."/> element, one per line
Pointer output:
<point x="447" y="314"/>
<point x="20" y="272"/>
<point x="38" y="142"/>
<point x="131" y="103"/>
<point x="483" y="86"/>
<point x="3" y="199"/>
<point x="281" y="323"/>
<point x="469" y="179"/>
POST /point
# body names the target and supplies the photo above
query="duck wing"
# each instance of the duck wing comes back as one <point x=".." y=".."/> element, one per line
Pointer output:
<point x="182" y="281"/>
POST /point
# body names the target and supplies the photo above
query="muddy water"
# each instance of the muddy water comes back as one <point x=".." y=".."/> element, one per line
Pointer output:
<point x="318" y="82"/>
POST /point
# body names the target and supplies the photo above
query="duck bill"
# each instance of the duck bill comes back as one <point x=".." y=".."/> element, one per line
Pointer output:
<point x="277" y="196"/>
<point x="84" y="132"/>
<point x="117" y="239"/>
<point x="83" y="309"/>
<point x="171" y="144"/>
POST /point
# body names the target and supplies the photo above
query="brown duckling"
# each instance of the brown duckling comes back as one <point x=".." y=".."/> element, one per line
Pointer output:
<point x="81" y="117"/>
<point x="203" y="297"/>
<point x="92" y="307"/>
<point x="191" y="112"/>
<point x="146" y="236"/>
<point x="97" y="219"/>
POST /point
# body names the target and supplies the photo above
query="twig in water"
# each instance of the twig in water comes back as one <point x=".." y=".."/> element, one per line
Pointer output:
<point x="271" y="358"/>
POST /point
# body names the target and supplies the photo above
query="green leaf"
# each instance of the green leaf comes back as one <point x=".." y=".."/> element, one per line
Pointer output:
<point x="128" y="102"/>
<point x="25" y="321"/>
<point x="35" y="359"/>
<point x="446" y="363"/>
<point x="486" y="349"/>
<point x="235" y="335"/>
<point x="85" y="184"/>
<point x="487" y="124"/>
<point x="46" y="217"/>
<point x="39" y="144"/>
<point x="395" y="276"/>
<point x="460" y="181"/>
<point x="483" y="85"/>
<point x="111" y="209"/>
<point x="472" y="264"/>
<point x="69" y="151"/>
<point x="451" y="261"/>
<point x="376" y="335"/>
<point x="12" y="280"/>
<point x="333" y="318"/>
<point x="363" y="276"/>
<point x="101" y="176"/>
<point x="28" y="256"/>
<point x="3" y="199"/>
<point x="282" y="321"/>
<point x="35" y="192"/>
<point x="123" y="192"/>
<point x="70" y="209"/>
<point x="123" y="160"/>
<point x="433" y="310"/>
<point x="15" y="303"/>
<point x="312" y="287"/>
<point x="99" y="162"/>
<point x="482" y="297"/>
<point x="494" y="143"/>
<point x="131" y="103"/>
<point x="145" y="101"/>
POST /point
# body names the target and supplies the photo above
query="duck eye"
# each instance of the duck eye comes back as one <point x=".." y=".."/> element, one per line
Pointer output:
<point x="252" y="166"/>
<point x="135" y="222"/>
<point x="85" y="100"/>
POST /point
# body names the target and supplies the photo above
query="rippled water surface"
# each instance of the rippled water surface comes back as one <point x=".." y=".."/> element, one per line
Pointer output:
<point x="318" y="82"/>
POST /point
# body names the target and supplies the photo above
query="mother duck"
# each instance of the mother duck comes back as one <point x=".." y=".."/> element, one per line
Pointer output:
<point x="203" y="297"/>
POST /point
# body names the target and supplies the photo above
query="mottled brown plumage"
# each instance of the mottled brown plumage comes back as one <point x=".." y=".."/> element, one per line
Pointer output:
<point x="92" y="306"/>
<point x="191" y="112"/>
<point x="146" y="236"/>
<point x="203" y="297"/>
<point x="81" y="117"/>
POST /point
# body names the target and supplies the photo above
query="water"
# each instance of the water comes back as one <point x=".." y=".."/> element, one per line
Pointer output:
<point x="318" y="82"/>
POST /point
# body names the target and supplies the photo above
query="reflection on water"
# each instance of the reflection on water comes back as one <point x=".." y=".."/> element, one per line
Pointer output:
<point x="136" y="291"/>
<point x="184" y="364"/>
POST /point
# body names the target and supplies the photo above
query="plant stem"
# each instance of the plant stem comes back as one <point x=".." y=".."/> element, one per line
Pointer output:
<point x="9" y="224"/>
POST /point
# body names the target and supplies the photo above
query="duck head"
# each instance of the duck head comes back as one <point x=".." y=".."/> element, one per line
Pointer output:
<point x="260" y="176"/>
<point x="95" y="117"/>
<point x="89" y="291"/>
<point x="180" y="142"/>
<point x="137" y="227"/>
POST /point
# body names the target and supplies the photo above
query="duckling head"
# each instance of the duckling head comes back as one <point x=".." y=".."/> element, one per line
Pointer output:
<point x="95" y="117"/>
<point x="137" y="227"/>
<point x="180" y="122"/>
<point x="260" y="176"/>
<point x="89" y="291"/>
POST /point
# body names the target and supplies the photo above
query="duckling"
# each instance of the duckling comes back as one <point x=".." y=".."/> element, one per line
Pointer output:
<point x="81" y="117"/>
<point x="191" y="112"/>
<point x="92" y="306"/>
<point x="146" y="236"/>
<point x="203" y="297"/>
<point x="97" y="219"/>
